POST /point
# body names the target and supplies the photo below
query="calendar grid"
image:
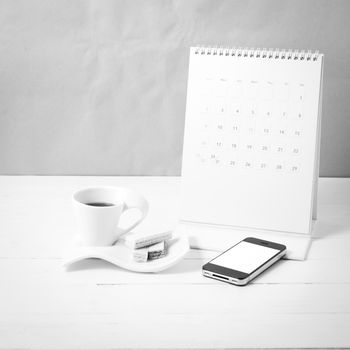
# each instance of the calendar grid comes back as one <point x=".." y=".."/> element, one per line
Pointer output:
<point x="266" y="133"/>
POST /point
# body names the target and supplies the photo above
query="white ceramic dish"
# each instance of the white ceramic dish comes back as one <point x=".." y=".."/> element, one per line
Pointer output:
<point x="121" y="256"/>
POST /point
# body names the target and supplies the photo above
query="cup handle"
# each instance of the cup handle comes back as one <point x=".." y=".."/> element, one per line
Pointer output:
<point x="133" y="200"/>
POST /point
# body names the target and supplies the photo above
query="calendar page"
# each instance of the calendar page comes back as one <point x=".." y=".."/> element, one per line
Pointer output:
<point x="250" y="154"/>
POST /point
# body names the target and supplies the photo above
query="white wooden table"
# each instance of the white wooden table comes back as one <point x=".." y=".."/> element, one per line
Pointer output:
<point x="96" y="305"/>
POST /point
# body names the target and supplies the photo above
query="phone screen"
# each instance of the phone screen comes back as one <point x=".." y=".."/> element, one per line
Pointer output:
<point x="245" y="257"/>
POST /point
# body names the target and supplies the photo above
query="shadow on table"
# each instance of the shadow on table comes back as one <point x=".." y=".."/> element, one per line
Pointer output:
<point x="91" y="264"/>
<point x="184" y="266"/>
<point x="327" y="228"/>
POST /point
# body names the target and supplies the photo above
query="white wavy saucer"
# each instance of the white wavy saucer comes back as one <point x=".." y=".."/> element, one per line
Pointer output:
<point x="121" y="255"/>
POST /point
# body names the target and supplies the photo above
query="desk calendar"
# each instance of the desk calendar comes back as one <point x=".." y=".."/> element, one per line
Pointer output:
<point x="251" y="141"/>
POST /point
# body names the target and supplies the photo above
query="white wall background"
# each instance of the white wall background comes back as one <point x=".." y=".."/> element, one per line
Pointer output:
<point x="99" y="87"/>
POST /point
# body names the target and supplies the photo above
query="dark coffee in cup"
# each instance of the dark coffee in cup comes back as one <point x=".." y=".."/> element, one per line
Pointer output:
<point x="100" y="204"/>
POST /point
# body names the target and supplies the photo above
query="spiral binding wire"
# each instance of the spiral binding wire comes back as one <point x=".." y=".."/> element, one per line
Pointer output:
<point x="257" y="53"/>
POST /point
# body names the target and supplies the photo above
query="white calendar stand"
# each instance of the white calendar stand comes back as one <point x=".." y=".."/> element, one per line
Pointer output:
<point x="251" y="147"/>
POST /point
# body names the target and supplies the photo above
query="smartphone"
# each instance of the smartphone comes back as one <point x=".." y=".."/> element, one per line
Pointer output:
<point x="244" y="261"/>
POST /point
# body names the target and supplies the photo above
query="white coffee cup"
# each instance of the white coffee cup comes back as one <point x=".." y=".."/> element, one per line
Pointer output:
<point x="98" y="210"/>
